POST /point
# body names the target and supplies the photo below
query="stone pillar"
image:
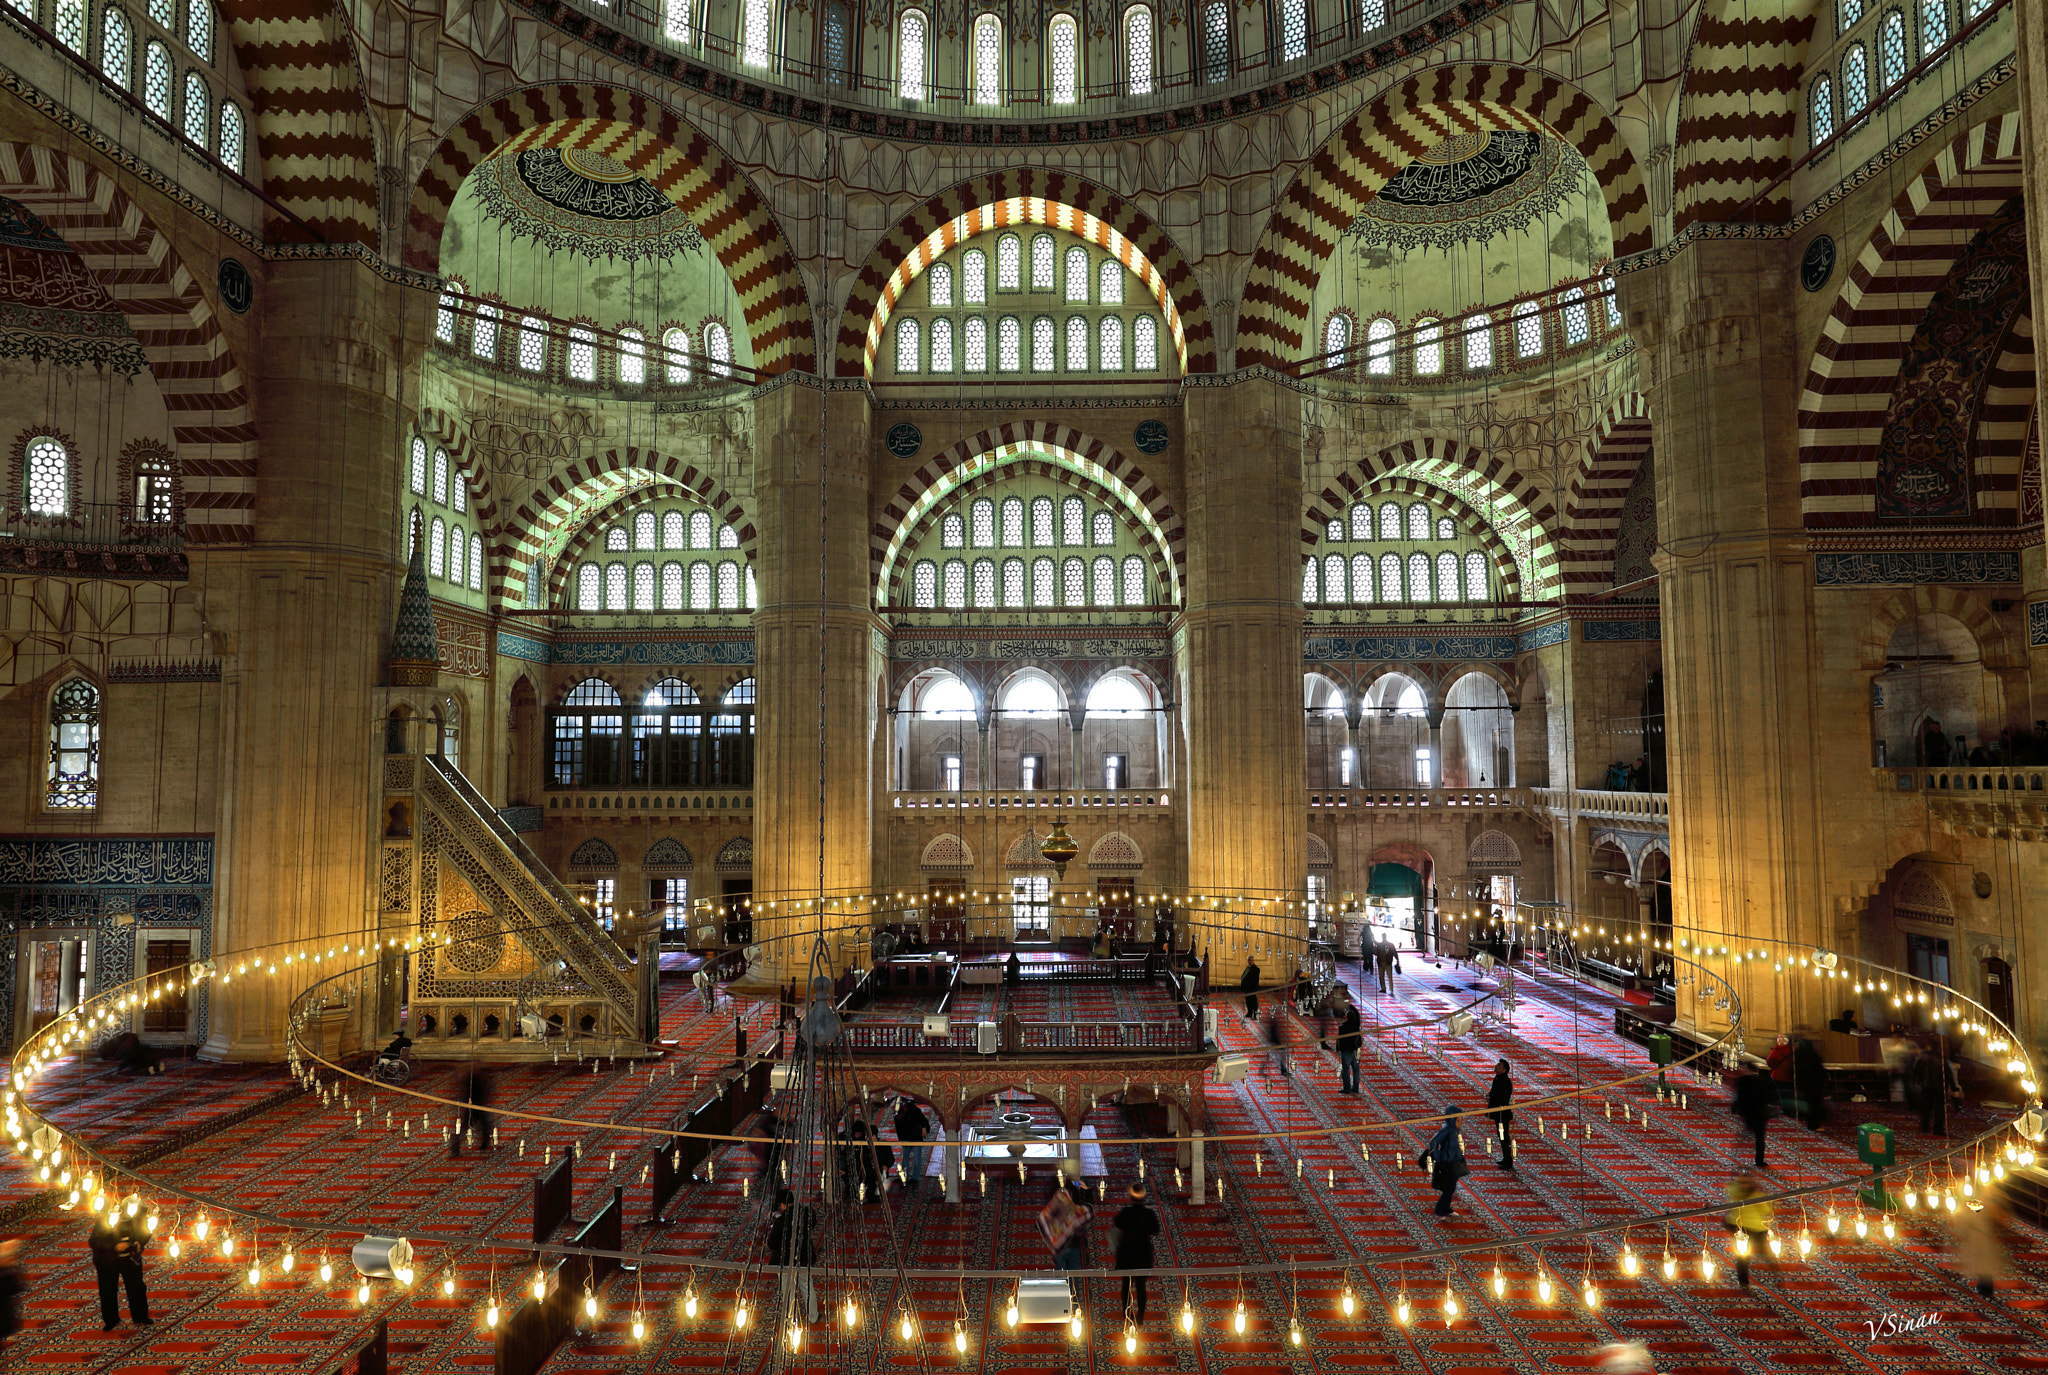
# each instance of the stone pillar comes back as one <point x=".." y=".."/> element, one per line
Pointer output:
<point x="302" y="619"/>
<point x="1436" y="746"/>
<point x="1247" y="788"/>
<point x="1723" y="367"/>
<point x="2031" y="55"/>
<point x="812" y="645"/>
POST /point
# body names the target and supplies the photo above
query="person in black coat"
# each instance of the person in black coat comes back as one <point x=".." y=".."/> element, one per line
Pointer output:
<point x="1755" y="1100"/>
<point x="1444" y="1158"/>
<point x="793" y="1241"/>
<point x="1810" y="1083"/>
<point x="117" y="1256"/>
<point x="1134" y="1227"/>
<point x="1350" y="1037"/>
<point x="1013" y="970"/>
<point x="1927" y="1088"/>
<point x="1248" y="984"/>
<point x="473" y="1122"/>
<point x="11" y="1287"/>
<point x="913" y="1129"/>
<point x="1498" y="1096"/>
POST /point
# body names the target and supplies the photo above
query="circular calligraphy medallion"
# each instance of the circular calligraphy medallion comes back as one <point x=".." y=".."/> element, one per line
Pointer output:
<point x="1151" y="436"/>
<point x="237" y="288"/>
<point x="1818" y="264"/>
<point x="905" y="440"/>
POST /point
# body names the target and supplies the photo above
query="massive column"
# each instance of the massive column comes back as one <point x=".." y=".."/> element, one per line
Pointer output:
<point x="1247" y="790"/>
<point x="815" y="653"/>
<point x="1736" y="583"/>
<point x="2031" y="53"/>
<point x="302" y="618"/>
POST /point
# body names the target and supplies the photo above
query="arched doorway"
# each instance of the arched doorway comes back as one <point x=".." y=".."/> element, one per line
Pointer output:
<point x="1399" y="896"/>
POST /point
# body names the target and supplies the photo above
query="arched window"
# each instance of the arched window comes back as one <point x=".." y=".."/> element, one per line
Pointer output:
<point x="1310" y="592"/>
<point x="728" y="586"/>
<point x="1009" y="344"/>
<point x="757" y="23"/>
<point x="1390" y="577"/>
<point x="1822" y="110"/>
<point x="671" y="586"/>
<point x="834" y="44"/>
<point x="644" y="528"/>
<point x="907" y="349"/>
<point x="476" y="563"/>
<point x="441" y="476"/>
<point x="675" y="21"/>
<point x="1848" y="12"/>
<point x="483" y="340"/>
<point x="156" y="489"/>
<point x="974" y="277"/>
<point x="942" y="346"/>
<point x="230" y="149"/>
<point x="1418" y="577"/>
<point x="437" y="548"/>
<point x="643" y="587"/>
<point x="1361" y="577"/>
<point x="718" y="347"/>
<point x="1428" y="347"/>
<point x="458" y="489"/>
<point x="675" y="348"/>
<point x="1013" y="582"/>
<point x="46" y="477"/>
<point x="582" y="353"/>
<point x="1613" y="303"/>
<point x="69" y="24"/>
<point x="1478" y="343"/>
<point x="1475" y="576"/>
<point x="587" y="589"/>
<point x="1216" y="41"/>
<point x="458" y="546"/>
<point x="1447" y="577"/>
<point x="938" y="291"/>
<point x="1336" y="339"/>
<point x="974" y="344"/>
<point x="73" y="773"/>
<point x="1013" y="523"/>
<point x="1077" y="343"/>
<point x="1577" y="328"/>
<point x="1077" y="275"/>
<point x="199" y="28"/>
<point x="1361" y="521"/>
<point x="115" y="46"/>
<point x="156" y="79"/>
<point x="953" y="590"/>
<point x="984" y="584"/>
<point x="1379" y="347"/>
<point x="1074" y="582"/>
<point x="1043" y="260"/>
<point x="533" y="344"/>
<point x="1134" y="581"/>
<point x="1145" y="344"/>
<point x="1103" y="572"/>
<point x="700" y="587"/>
<point x="1445" y="529"/>
<point x="700" y="529"/>
<point x="616" y="540"/>
<point x="1293" y="29"/>
<point x="1063" y="46"/>
<point x="198" y="109"/>
<point x="753" y="594"/>
<point x="981" y="520"/>
<point x="1372" y="14"/>
<point x="1855" y="82"/>
<point x="1333" y="578"/>
<point x="1043" y="577"/>
<point x="1390" y="521"/>
<point x="952" y="532"/>
<point x="1528" y="329"/>
<point x="1109" y="283"/>
<point x="1044" y="345"/>
<point x="1110" y="336"/>
<point x="674" y="534"/>
<point x="910" y="55"/>
<point x="1009" y="263"/>
<point x="1073" y="522"/>
<point x="988" y="60"/>
<point x="1418" y="522"/>
<point x="1334" y="531"/>
<point x="1933" y="27"/>
<point x="632" y="357"/>
<point x="1043" y="534"/>
<point x="1891" y="49"/>
<point x="536" y="578"/>
<point x="1102" y="529"/>
<point x="1138" y="50"/>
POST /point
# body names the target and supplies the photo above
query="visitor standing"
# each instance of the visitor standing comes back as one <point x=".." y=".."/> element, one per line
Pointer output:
<point x="1980" y="1241"/>
<point x="706" y="994"/>
<point x="473" y="1124"/>
<point x="1350" y="1036"/>
<point x="1927" y="1088"/>
<point x="1013" y="970"/>
<point x="117" y="1256"/>
<point x="793" y="1242"/>
<point x="1389" y="963"/>
<point x="768" y="1145"/>
<point x="1444" y="1158"/>
<point x="1133" y="1230"/>
<point x="1779" y="1062"/>
<point x="11" y="1287"/>
<point x="1810" y="1084"/>
<point x="1754" y="1102"/>
<point x="1750" y="1218"/>
<point x="913" y="1129"/>
<point x="1248" y="985"/>
<point x="1498" y="1096"/>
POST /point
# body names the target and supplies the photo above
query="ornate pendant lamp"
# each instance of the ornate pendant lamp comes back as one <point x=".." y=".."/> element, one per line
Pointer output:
<point x="1058" y="847"/>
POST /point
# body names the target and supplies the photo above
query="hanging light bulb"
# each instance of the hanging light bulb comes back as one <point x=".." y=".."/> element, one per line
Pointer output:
<point x="363" y="1293"/>
<point x="1890" y="1232"/>
<point x="448" y="1285"/>
<point x="1543" y="1285"/>
<point x="491" y="1314"/>
<point x="326" y="1269"/>
<point x="1074" y="1327"/>
<point x="1862" y="1227"/>
<point x="1010" y="1313"/>
<point x="1401" y="1309"/>
<point x="1348" y="1302"/>
<point x="1742" y="1243"/>
<point x="1670" y="1266"/>
<point x="1706" y="1264"/>
<point x="959" y="1337"/>
<point x="852" y="1313"/>
<point x="199" y="1228"/>
<point x="1773" y="1244"/>
<point x="255" y="1275"/>
<point x="1629" y="1264"/>
<point x="1911" y="1199"/>
<point x="1592" y="1293"/>
<point x="906" y="1329"/>
<point x="741" y="1316"/>
<point x="1238" y="1321"/>
<point x="1834" y="1221"/>
<point x="540" y="1286"/>
<point x="1450" y="1304"/>
<point x="227" y="1244"/>
<point x="175" y="1248"/>
<point x="1806" y="1242"/>
<point x="1293" y="1331"/>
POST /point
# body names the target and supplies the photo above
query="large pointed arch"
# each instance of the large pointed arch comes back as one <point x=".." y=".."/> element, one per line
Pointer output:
<point x="1319" y="514"/>
<point x="1739" y="112"/>
<point x="1393" y="128"/>
<point x="1599" y="490"/>
<point x="673" y="156"/>
<point x="1023" y="196"/>
<point x="584" y="531"/>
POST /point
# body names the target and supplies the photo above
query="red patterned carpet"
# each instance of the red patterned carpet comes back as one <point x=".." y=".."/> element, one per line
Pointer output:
<point x="296" y="1158"/>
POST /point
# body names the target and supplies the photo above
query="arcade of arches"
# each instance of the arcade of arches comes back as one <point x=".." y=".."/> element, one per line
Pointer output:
<point x="780" y="492"/>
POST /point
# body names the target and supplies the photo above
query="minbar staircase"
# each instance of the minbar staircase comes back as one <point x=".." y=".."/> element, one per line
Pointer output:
<point x="507" y="939"/>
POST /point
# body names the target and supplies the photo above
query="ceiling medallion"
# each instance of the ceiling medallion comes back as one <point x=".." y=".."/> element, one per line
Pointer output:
<point x="577" y="201"/>
<point x="1468" y="188"/>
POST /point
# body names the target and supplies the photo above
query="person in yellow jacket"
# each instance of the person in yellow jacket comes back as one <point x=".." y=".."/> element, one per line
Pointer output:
<point x="1749" y="1217"/>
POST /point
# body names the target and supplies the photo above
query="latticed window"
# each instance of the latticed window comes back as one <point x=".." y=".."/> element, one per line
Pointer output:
<point x="1418" y="521"/>
<point x="1372" y="14"/>
<point x="1336" y="339"/>
<point x="1310" y="592"/>
<point x="70" y="24"/>
<point x="1009" y="344"/>
<point x="457" y="563"/>
<point x="1822" y="109"/>
<point x="1110" y="335"/>
<point x="1077" y="343"/>
<point x="1851" y="11"/>
<point x="582" y="354"/>
<point x="1478" y="342"/>
<point x="974" y="277"/>
<point x="1073" y="522"/>
<point x="1013" y="582"/>
<point x="1577" y="328"/>
<point x="437" y="548"/>
<point x="700" y="529"/>
<point x="616" y="540"/>
<point x="587" y="591"/>
<point x="1145" y="344"/>
<point x="938" y="289"/>
<point x="700" y="587"/>
<point x="1134" y="581"/>
<point x="1009" y="263"/>
<point x="418" y="466"/>
<point x="533" y="344"/>
<point x="675" y="21"/>
<point x="1013" y="523"/>
<point x="476" y="563"/>
<point x="1334" y="530"/>
<point x="1044" y="345"/>
<point x="988" y="60"/>
<point x="441" y="476"/>
<point x="1216" y="41"/>
<point x="718" y="347"/>
<point x="164" y="12"/>
<point x="674" y="535"/>
<point x="757" y="22"/>
<point x="1043" y="257"/>
<point x="1390" y="521"/>
<point x="483" y="341"/>
<point x="1613" y="304"/>
<point x="910" y="62"/>
<point x="1933" y="26"/>
<point x="115" y="46"/>
<point x="1043" y="578"/>
<point x="199" y="28"/>
<point x="46" y="477"/>
<point x="985" y="583"/>
<point x="753" y="594"/>
<point x="835" y="44"/>
<point x="1361" y="521"/>
<point x="974" y="344"/>
<point x="1379" y="347"/>
<point x="1891" y="48"/>
<point x="952" y="533"/>
<point x="615" y="587"/>
<point x="1074" y="581"/>
<point x="1333" y="577"/>
<point x="942" y="346"/>
<point x="675" y="348"/>
<point x="644" y="526"/>
<point x="728" y="586"/>
<point x="1103" y="572"/>
<point x="1428" y="347"/>
<point x="1066" y="64"/>
<point x="1447" y="577"/>
<point x="1103" y="529"/>
<point x="198" y="109"/>
<point x="672" y="586"/>
<point x="536" y="576"/>
<point x="73" y="774"/>
<point x="231" y="135"/>
<point x="1528" y="329"/>
<point x="1138" y="49"/>
<point x="1390" y="577"/>
<point x="953" y="589"/>
<point x="156" y="79"/>
<point x="1444" y="528"/>
<point x="1475" y="576"/>
<point x="643" y="587"/>
<point x="1109" y="283"/>
<point x="982" y="517"/>
<point x="906" y="345"/>
<point x="1418" y="577"/>
<point x="1077" y="275"/>
<point x="632" y="357"/>
<point x="1293" y="29"/>
<point x="1361" y="577"/>
<point x="156" y="490"/>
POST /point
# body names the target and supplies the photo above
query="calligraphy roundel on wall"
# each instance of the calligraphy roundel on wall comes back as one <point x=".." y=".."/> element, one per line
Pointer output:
<point x="1151" y="436"/>
<point x="1817" y="265"/>
<point x="904" y="440"/>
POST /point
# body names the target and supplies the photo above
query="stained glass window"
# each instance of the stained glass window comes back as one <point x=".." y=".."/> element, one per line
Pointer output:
<point x="906" y="345"/>
<point x="73" y="774"/>
<point x="988" y="60"/>
<point x="974" y="277"/>
<point x="718" y="346"/>
<point x="1293" y="29"/>
<point x="910" y="61"/>
<point x="939" y="286"/>
<point x="1478" y="342"/>
<point x="1042" y="579"/>
<point x="643" y="587"/>
<point x="114" y="46"/>
<point x="1216" y="41"/>
<point x="1044" y="345"/>
<point x="437" y="548"/>
<point x="1134" y="581"/>
<point x="982" y="515"/>
<point x="1138" y="49"/>
<point x="1379" y="347"/>
<point x="671" y="586"/>
<point x="198" y="109"/>
<point x="1013" y="582"/>
<point x="942" y="346"/>
<point x="587" y="595"/>
<point x="984" y="583"/>
<point x="1073" y="522"/>
<point x="1065" y="45"/>
<point x="1528" y="330"/>
<point x="756" y="25"/>
<point x="582" y="353"/>
<point x="1822" y="108"/>
<point x="1390" y="577"/>
<point x="1077" y="343"/>
<point x="1577" y="328"/>
<point x="1475" y="576"/>
<point x="156" y="79"/>
<point x="1429" y="347"/>
<point x="1361" y="577"/>
<point x="728" y="586"/>
<point x="700" y="587"/>
<point x="46" y="477"/>
<point x="835" y="44"/>
<point x="1891" y="48"/>
<point x="1110" y="334"/>
<point x="1145" y="344"/>
<point x="1009" y="263"/>
<point x="675" y="347"/>
<point x="1009" y="344"/>
<point x="632" y="357"/>
<point x="1333" y="577"/>
<point x="1074" y="580"/>
<point x="1042" y="532"/>
<point x="483" y="342"/>
<point x="974" y="344"/>
<point x="953" y="589"/>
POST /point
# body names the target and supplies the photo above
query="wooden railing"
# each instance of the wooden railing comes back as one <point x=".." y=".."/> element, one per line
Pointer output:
<point x="1142" y="800"/>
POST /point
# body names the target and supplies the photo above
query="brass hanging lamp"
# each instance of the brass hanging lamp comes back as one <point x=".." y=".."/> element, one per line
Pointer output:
<point x="1058" y="847"/>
